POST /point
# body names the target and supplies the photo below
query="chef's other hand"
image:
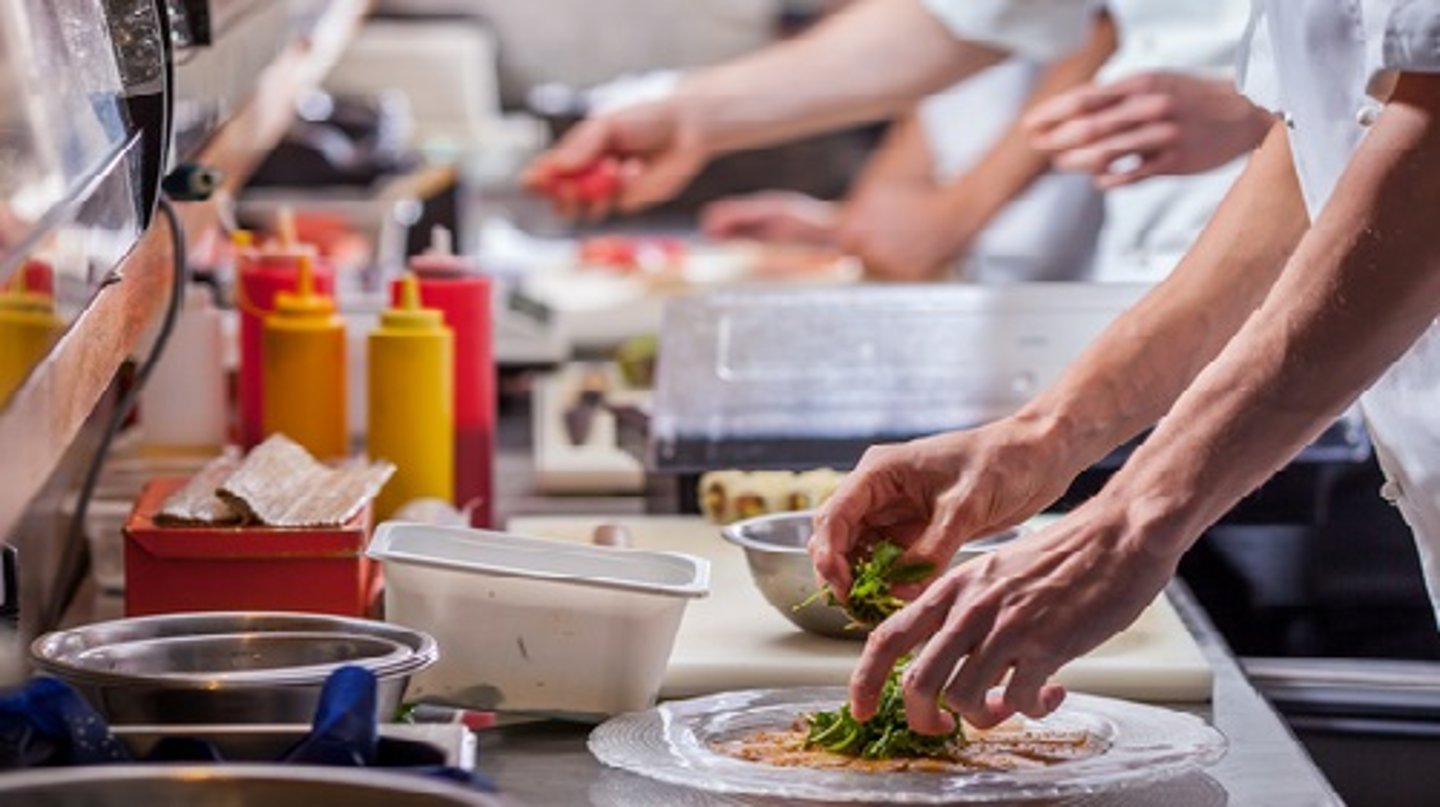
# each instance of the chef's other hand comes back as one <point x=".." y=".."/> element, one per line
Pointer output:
<point x="903" y="233"/>
<point x="1025" y="609"/>
<point x="1146" y="125"/>
<point x="772" y="216"/>
<point x="653" y="148"/>
<point x="933" y="494"/>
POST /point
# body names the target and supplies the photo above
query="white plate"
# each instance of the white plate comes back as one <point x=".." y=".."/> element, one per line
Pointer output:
<point x="672" y="743"/>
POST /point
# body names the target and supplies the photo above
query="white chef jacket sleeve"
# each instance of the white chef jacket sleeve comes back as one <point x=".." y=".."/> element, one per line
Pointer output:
<point x="1256" y="73"/>
<point x="1040" y="30"/>
<point x="1401" y="36"/>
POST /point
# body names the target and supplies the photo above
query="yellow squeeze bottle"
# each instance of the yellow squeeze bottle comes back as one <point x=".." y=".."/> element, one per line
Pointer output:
<point x="411" y="402"/>
<point x="303" y="363"/>
<point x="28" y="327"/>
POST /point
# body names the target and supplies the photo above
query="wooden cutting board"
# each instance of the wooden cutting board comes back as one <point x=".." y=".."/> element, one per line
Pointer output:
<point x="734" y="639"/>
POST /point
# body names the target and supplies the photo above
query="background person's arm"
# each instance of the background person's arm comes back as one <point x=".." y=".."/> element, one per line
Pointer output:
<point x="938" y="220"/>
<point x="867" y="62"/>
<point x="1361" y="288"/>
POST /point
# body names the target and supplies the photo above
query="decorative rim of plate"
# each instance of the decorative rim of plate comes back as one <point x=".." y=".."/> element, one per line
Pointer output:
<point x="671" y="743"/>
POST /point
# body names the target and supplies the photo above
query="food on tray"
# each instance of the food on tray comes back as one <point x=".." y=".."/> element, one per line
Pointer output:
<point x="873" y="577"/>
<point x="625" y="254"/>
<point x="1007" y="748"/>
<point x="729" y="496"/>
<point x="886" y="744"/>
<point x="835" y="739"/>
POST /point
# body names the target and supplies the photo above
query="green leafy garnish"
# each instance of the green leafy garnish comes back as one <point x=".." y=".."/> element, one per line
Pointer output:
<point x="871" y="601"/>
<point x="885" y="736"/>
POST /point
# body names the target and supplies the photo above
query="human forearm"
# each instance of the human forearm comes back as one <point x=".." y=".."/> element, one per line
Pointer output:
<point x="1012" y="164"/>
<point x="1362" y="287"/>
<point x="865" y="63"/>
<point x="1140" y="365"/>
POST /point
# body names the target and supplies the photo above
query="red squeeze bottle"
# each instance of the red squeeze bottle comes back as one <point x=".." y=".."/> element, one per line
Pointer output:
<point x="261" y="274"/>
<point x="451" y="284"/>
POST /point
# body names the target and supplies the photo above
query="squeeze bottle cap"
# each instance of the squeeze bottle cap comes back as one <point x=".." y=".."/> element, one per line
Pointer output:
<point x="16" y="296"/>
<point x="304" y="301"/>
<point x="440" y="260"/>
<point x="408" y="313"/>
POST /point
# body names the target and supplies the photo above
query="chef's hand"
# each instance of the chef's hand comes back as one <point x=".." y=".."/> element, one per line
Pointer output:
<point x="903" y="232"/>
<point x="655" y="149"/>
<point x="772" y="216"/>
<point x="1025" y="610"/>
<point x="933" y="494"/>
<point x="1146" y="125"/>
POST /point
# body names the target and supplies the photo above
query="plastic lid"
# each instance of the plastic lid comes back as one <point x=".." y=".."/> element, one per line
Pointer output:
<point x="408" y="313"/>
<point x="304" y="301"/>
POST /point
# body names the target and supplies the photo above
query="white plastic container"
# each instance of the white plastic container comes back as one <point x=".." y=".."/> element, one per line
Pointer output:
<point x="533" y="625"/>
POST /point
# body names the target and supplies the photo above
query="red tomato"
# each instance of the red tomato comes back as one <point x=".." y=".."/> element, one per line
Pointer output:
<point x="599" y="182"/>
<point x="593" y="183"/>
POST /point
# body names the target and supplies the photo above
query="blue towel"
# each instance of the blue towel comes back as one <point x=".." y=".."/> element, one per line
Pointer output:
<point x="47" y="723"/>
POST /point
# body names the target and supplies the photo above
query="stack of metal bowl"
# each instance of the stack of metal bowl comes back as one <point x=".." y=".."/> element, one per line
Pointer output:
<point x="775" y="548"/>
<point x="242" y="667"/>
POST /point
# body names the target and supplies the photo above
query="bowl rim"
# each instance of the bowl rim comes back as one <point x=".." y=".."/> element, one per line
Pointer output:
<point x="736" y="533"/>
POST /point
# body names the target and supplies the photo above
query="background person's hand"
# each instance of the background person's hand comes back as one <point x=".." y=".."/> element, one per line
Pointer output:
<point x="654" y="148"/>
<point x="1147" y="125"/>
<point x="903" y="232"/>
<point x="1025" y="609"/>
<point x="934" y="494"/>
<point x="772" y="216"/>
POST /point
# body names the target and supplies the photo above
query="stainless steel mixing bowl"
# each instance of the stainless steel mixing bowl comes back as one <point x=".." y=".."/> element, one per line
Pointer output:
<point x="240" y="667"/>
<point x="775" y="550"/>
<point x="232" y="786"/>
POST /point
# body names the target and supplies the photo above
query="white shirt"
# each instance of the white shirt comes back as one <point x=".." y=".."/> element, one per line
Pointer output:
<point x="1331" y="65"/>
<point x="1150" y="225"/>
<point x="1046" y="233"/>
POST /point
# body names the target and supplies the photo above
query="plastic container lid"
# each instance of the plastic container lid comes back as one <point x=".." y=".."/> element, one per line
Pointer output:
<point x="504" y="555"/>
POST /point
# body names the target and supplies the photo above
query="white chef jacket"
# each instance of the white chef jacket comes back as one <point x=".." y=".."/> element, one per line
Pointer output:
<point x="1049" y="231"/>
<point x="1331" y="64"/>
<point x="1148" y="226"/>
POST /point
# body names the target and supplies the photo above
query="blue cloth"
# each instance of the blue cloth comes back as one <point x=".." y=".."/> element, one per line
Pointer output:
<point x="47" y="723"/>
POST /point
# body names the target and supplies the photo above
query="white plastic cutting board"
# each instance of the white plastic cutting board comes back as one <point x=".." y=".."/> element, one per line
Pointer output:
<point x="734" y="639"/>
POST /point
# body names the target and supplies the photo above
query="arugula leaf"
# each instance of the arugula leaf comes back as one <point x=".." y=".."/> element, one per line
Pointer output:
<point x="885" y="736"/>
<point x="870" y="601"/>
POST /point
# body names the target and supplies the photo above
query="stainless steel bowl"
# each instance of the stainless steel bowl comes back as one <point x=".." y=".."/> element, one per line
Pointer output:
<point x="232" y="786"/>
<point x="227" y="667"/>
<point x="775" y="550"/>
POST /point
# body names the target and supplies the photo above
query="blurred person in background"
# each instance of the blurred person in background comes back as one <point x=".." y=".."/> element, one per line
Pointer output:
<point x="1163" y="104"/>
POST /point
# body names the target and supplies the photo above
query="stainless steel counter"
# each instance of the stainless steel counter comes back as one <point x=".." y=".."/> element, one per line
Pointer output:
<point x="546" y="763"/>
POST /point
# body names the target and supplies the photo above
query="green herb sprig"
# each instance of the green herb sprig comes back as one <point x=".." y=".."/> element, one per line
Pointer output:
<point x="885" y="736"/>
<point x="873" y="578"/>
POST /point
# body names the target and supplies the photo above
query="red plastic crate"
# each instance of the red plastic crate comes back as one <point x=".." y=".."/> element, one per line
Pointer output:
<point x="181" y="569"/>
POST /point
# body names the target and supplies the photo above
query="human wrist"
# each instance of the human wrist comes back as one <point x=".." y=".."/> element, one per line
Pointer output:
<point x="1077" y="439"/>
